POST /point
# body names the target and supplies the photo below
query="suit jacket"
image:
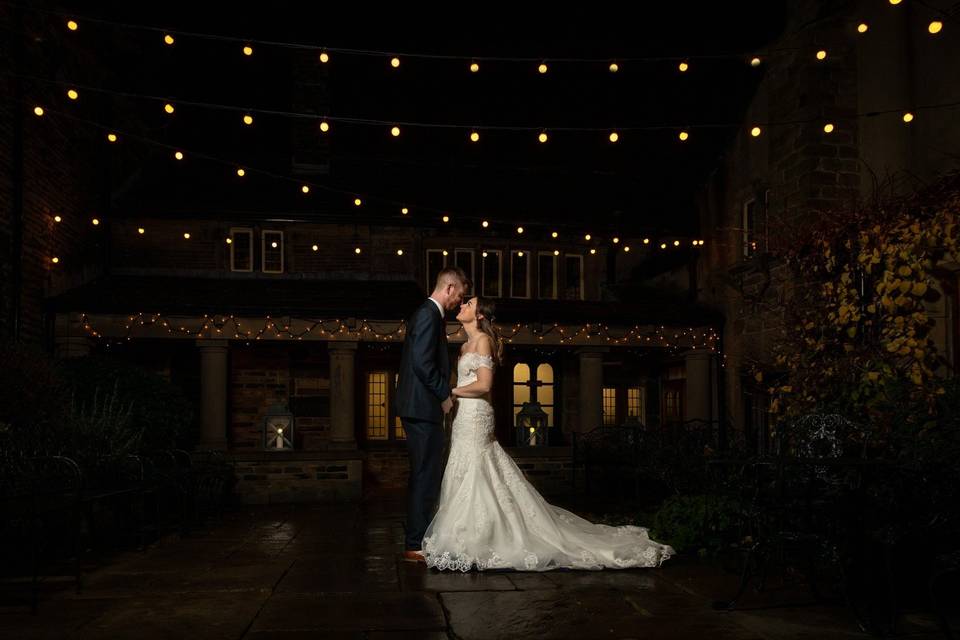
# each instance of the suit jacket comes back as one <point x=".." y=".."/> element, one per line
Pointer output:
<point x="424" y="366"/>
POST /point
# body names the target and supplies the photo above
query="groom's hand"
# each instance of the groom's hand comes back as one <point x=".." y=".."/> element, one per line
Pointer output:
<point x="447" y="405"/>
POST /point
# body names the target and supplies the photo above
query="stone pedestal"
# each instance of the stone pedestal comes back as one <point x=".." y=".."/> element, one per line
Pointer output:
<point x="213" y="393"/>
<point x="591" y="388"/>
<point x="343" y="357"/>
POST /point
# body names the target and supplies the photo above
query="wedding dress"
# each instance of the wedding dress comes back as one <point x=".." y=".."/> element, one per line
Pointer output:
<point x="491" y="517"/>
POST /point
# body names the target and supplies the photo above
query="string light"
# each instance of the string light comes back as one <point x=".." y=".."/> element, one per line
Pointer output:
<point x="614" y="136"/>
<point x="324" y="126"/>
<point x="111" y="137"/>
<point x="862" y="27"/>
<point x="474" y="67"/>
<point x="57" y="218"/>
<point x="241" y="172"/>
<point x="445" y="252"/>
<point x="587" y="237"/>
<point x="554" y="234"/>
<point x="324" y="57"/>
<point x="178" y="155"/>
<point x="683" y="135"/>
<point x="828" y="128"/>
<point x="446" y="218"/>
<point x="168" y="39"/>
<point x="614" y="67"/>
<point x="895" y="2"/>
<point x="616" y="240"/>
<point x="474" y="136"/>
<point x="908" y="117"/>
<point x="626" y="248"/>
<point x="247" y="119"/>
<point x="646" y="241"/>
<point x="72" y="25"/>
<point x="229" y="240"/>
<point x="935" y="27"/>
<point x="54" y="259"/>
<point x="247" y="50"/>
<point x="399" y="252"/>
<point x="72" y="94"/>
<point x="683" y="66"/>
<point x="38" y="111"/>
<point x="404" y="211"/>
<point x="676" y="243"/>
<point x="593" y="251"/>
<point x="542" y="137"/>
<point x="821" y="55"/>
<point x="95" y="221"/>
<point x="542" y="68"/>
<point x="755" y="61"/>
<point x="755" y="132"/>
<point x="519" y="230"/>
<point x="305" y="189"/>
<point x="484" y="224"/>
<point x="663" y="245"/>
<point x="556" y="252"/>
<point x="315" y="247"/>
<point x="186" y="236"/>
<point x="395" y="131"/>
<point x="395" y="63"/>
<point x="168" y="108"/>
<point x="141" y="230"/>
<point x="357" y="202"/>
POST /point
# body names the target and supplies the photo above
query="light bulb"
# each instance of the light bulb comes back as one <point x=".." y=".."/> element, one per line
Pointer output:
<point x="72" y="25"/>
<point x="324" y="57"/>
<point x="908" y="117"/>
<point x="862" y="27"/>
<point x="38" y="111"/>
<point x="821" y="55"/>
<point x="168" y="108"/>
<point x="554" y="234"/>
<point x="357" y="202"/>
<point x="683" y="135"/>
<point x="542" y="68"/>
<point x="828" y="128"/>
<point x="72" y="94"/>
<point x="404" y="211"/>
<point x="141" y="230"/>
<point x="542" y="137"/>
<point x="474" y="136"/>
<point x="755" y="131"/>
<point x="474" y="67"/>
<point x="178" y="155"/>
<point x="241" y="172"/>
<point x="935" y="27"/>
<point x="112" y="137"/>
<point x="186" y="236"/>
<point x="395" y="131"/>
<point x="614" y="136"/>
<point x="305" y="189"/>
<point x="614" y="67"/>
<point x="168" y="39"/>
<point x="399" y="252"/>
<point x="247" y="119"/>
<point x="683" y="66"/>
<point x="395" y="63"/>
<point x="755" y="61"/>
<point x="248" y="50"/>
<point x="324" y="126"/>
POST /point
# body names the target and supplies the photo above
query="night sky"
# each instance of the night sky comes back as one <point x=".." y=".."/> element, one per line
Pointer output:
<point x="646" y="183"/>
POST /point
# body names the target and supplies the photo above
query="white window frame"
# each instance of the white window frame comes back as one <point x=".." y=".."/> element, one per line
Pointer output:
<point x="263" y="251"/>
<point x="473" y="265"/>
<point x="233" y="241"/>
<point x="526" y="254"/>
<point x="483" y="273"/>
<point x="579" y="256"/>
<point x="426" y="265"/>
<point x="556" y="267"/>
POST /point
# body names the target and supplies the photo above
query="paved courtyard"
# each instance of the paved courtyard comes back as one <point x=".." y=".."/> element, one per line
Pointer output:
<point x="322" y="571"/>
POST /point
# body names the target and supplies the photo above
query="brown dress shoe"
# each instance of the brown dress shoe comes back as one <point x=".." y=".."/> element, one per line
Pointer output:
<point x="411" y="555"/>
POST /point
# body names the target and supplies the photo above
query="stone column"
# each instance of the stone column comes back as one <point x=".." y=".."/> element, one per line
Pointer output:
<point x="343" y="357"/>
<point x="213" y="393"/>
<point x="591" y="388"/>
<point x="699" y="390"/>
<point x="70" y="339"/>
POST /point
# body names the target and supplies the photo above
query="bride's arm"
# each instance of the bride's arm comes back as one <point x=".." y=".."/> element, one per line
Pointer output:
<point x="481" y="386"/>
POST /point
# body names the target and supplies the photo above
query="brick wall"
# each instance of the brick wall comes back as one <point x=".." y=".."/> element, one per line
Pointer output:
<point x="296" y="476"/>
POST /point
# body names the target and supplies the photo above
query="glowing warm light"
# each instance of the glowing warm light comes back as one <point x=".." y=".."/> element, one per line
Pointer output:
<point x="168" y="108"/>
<point x="474" y="136"/>
<point x="683" y="66"/>
<point x="395" y="62"/>
<point x="593" y="251"/>
<point x="862" y="27"/>
<point x="614" y="136"/>
<point x="247" y="119"/>
<point x="241" y="172"/>
<point x="248" y="50"/>
<point x="141" y="230"/>
<point x="587" y="237"/>
<point x="554" y="234"/>
<point x="935" y="27"/>
<point x="683" y="135"/>
<point x="474" y="67"/>
<point x="542" y="137"/>
<point x="676" y="243"/>
<point x="72" y="25"/>
<point x="358" y="202"/>
<point x="542" y="68"/>
<point x="908" y="117"/>
<point x="895" y="2"/>
<point x="395" y="131"/>
<point x="357" y="251"/>
<point x="616" y="240"/>
<point x="519" y="229"/>
<point x="755" y="131"/>
<point x="168" y="39"/>
<point x="315" y="248"/>
<point x="324" y="57"/>
<point x="57" y="218"/>
<point x="178" y="155"/>
<point x="519" y="254"/>
<point x="821" y="55"/>
<point x="186" y="236"/>
<point x="72" y="94"/>
<point x="55" y="260"/>
<point x="273" y="245"/>
<point x="324" y="126"/>
<point x="663" y="245"/>
<point x="626" y="248"/>
<point x="828" y="128"/>
<point x="556" y="252"/>
<point x="646" y="241"/>
<point x="111" y="137"/>
<point x="755" y="62"/>
<point x="229" y="241"/>
<point x="484" y="224"/>
<point x="305" y="189"/>
<point x="38" y="111"/>
<point x="404" y="211"/>
<point x="399" y="252"/>
<point x="445" y="252"/>
<point x="614" y="67"/>
<point x="484" y="254"/>
<point x="446" y="218"/>
<point x="95" y="221"/>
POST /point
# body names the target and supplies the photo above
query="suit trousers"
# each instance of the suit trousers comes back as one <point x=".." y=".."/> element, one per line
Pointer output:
<point x="425" y="443"/>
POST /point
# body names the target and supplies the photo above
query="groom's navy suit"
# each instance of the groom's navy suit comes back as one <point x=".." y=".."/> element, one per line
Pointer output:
<point x="423" y="385"/>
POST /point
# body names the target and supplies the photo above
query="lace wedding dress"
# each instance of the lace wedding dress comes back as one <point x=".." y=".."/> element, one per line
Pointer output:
<point x="491" y="517"/>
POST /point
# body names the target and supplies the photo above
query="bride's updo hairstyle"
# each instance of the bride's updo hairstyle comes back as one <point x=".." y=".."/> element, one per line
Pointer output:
<point x="486" y="308"/>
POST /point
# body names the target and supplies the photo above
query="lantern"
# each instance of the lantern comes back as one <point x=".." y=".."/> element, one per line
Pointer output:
<point x="278" y="428"/>
<point x="531" y="425"/>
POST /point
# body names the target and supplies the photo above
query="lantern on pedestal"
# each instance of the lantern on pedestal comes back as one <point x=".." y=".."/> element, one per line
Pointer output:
<point x="531" y="425"/>
<point x="278" y="428"/>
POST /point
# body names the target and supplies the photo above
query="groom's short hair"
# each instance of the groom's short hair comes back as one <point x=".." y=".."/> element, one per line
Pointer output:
<point x="452" y="273"/>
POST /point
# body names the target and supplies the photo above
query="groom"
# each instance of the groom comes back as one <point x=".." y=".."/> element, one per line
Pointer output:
<point x="423" y="398"/>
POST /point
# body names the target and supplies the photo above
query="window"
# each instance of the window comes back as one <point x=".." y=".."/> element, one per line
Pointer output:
<point x="491" y="273"/>
<point x="749" y="228"/>
<point x="637" y="404"/>
<point x="609" y="406"/>
<point x="519" y="274"/>
<point x="271" y="252"/>
<point x="521" y="388"/>
<point x="534" y="383"/>
<point x="436" y="261"/>
<point x="377" y="407"/>
<point x="547" y="276"/>
<point x="543" y="388"/>
<point x="241" y="249"/>
<point x="574" y="279"/>
<point x="463" y="258"/>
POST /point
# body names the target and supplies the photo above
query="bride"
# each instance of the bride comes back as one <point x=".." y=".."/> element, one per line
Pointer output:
<point x="489" y="516"/>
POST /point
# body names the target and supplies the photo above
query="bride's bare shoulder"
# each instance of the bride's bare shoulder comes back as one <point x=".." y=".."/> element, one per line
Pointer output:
<point x="485" y="345"/>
